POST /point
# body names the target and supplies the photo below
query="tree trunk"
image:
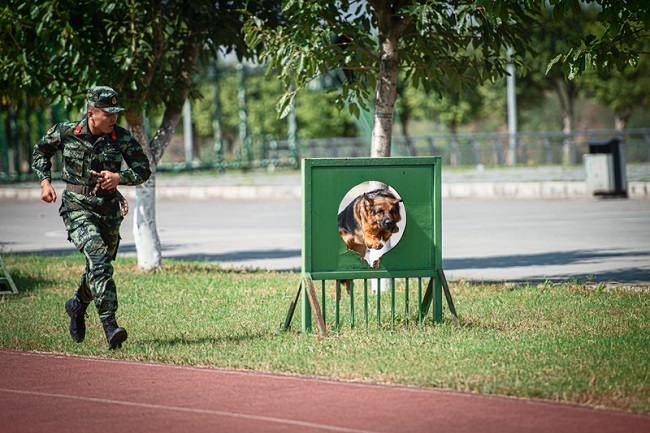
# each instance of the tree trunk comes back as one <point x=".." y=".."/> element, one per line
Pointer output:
<point x="566" y="93"/>
<point x="567" y="146"/>
<point x="145" y="233"/>
<point x="389" y="30"/>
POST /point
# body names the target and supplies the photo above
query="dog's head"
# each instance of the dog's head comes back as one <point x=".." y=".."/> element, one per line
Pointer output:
<point x="382" y="209"/>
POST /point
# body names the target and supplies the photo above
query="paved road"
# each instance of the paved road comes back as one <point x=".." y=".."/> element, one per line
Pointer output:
<point x="603" y="240"/>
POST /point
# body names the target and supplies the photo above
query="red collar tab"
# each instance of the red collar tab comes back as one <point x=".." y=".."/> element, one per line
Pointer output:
<point x="77" y="130"/>
<point x="114" y="136"/>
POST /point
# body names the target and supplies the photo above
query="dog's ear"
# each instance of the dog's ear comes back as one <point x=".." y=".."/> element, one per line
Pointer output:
<point x="367" y="200"/>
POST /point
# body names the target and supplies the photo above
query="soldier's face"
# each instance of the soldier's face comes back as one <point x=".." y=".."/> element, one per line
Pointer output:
<point x="101" y="122"/>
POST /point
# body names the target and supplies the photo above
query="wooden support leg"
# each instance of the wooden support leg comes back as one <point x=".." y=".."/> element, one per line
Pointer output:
<point x="315" y="307"/>
<point x="292" y="309"/>
<point x="450" y="302"/>
<point x="426" y="300"/>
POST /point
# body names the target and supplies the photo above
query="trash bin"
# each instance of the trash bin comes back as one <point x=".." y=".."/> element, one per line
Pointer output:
<point x="606" y="168"/>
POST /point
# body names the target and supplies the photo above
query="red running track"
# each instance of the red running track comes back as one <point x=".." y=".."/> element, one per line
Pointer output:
<point x="58" y="393"/>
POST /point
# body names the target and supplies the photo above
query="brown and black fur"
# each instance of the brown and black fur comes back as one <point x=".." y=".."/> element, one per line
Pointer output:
<point x="369" y="221"/>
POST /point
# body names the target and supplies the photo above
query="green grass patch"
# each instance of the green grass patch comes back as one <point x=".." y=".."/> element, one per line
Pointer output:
<point x="572" y="342"/>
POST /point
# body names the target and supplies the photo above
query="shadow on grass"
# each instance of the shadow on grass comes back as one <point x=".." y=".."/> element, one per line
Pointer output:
<point x="28" y="283"/>
<point x="232" y="256"/>
<point x="531" y="261"/>
<point x="238" y="256"/>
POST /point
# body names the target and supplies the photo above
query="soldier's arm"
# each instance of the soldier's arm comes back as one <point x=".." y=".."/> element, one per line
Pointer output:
<point x="42" y="154"/>
<point x="138" y="170"/>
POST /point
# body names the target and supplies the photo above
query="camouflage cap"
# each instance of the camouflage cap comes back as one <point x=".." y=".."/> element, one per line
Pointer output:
<point x="104" y="98"/>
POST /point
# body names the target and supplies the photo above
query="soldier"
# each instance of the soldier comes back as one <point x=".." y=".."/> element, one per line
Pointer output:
<point x="93" y="151"/>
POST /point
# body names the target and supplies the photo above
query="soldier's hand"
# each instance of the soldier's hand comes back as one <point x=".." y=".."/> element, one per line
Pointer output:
<point x="107" y="180"/>
<point x="48" y="194"/>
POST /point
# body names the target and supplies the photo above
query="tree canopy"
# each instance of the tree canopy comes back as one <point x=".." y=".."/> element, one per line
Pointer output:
<point x="441" y="43"/>
<point x="146" y="49"/>
<point x="434" y="43"/>
<point x="614" y="45"/>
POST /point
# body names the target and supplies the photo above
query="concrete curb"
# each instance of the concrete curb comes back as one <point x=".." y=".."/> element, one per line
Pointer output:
<point x="533" y="190"/>
<point x="477" y="190"/>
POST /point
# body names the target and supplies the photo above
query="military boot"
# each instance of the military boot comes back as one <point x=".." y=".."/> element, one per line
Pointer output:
<point x="76" y="310"/>
<point x="115" y="335"/>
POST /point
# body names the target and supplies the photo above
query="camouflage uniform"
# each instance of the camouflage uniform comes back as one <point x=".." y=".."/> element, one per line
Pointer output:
<point x="93" y="222"/>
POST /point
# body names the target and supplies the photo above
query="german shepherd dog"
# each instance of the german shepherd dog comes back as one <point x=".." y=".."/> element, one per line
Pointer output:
<point x="369" y="221"/>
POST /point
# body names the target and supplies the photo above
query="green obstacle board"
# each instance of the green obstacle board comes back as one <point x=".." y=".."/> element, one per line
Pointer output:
<point x="7" y="285"/>
<point x="325" y="184"/>
<point x="416" y="253"/>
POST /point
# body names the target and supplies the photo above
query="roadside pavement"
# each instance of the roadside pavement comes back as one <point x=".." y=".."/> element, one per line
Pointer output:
<point x="491" y="230"/>
<point x="545" y="182"/>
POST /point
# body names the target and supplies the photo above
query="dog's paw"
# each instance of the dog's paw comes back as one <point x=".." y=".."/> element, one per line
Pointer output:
<point x="378" y="245"/>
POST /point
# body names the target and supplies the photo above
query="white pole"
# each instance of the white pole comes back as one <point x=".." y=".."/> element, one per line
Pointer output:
<point x="512" y="109"/>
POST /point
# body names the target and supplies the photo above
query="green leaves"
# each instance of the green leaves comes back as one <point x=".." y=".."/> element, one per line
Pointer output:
<point x="611" y="46"/>
<point x="284" y="104"/>
<point x="440" y="43"/>
<point x="553" y="61"/>
<point x="49" y="47"/>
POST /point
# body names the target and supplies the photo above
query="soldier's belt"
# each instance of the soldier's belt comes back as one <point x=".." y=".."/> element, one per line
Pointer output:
<point x="86" y="190"/>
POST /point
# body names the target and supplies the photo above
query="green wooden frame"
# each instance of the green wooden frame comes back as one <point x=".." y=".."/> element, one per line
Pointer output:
<point x="325" y="256"/>
<point x="7" y="285"/>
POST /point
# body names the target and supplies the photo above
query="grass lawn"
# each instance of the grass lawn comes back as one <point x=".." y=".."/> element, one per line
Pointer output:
<point x="572" y="342"/>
